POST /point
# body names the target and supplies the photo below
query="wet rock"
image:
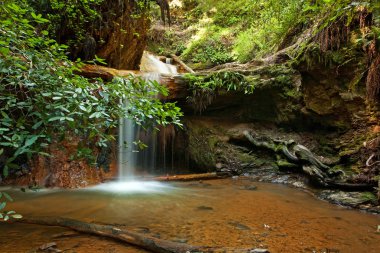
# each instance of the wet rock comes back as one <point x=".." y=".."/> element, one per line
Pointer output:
<point x="143" y="230"/>
<point x="249" y="188"/>
<point x="180" y="240"/>
<point x="48" y="245"/>
<point x="281" y="179"/>
<point x="299" y="185"/>
<point x="205" y="208"/>
<point x="66" y="234"/>
<point x="259" y="251"/>
<point x="239" y="225"/>
<point x="156" y="235"/>
<point x="352" y="199"/>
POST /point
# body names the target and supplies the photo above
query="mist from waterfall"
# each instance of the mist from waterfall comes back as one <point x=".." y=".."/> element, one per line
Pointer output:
<point x="131" y="159"/>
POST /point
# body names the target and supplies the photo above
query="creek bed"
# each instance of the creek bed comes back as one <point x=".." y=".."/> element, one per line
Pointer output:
<point x="229" y="213"/>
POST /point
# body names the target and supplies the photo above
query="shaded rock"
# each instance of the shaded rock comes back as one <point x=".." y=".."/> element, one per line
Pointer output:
<point x="352" y="199"/>
<point x="66" y="234"/>
<point x="259" y="251"/>
<point x="143" y="230"/>
<point x="249" y="187"/>
<point x="205" y="208"/>
<point x="239" y="225"/>
<point x="180" y="240"/>
<point x="48" y="245"/>
<point x="299" y="185"/>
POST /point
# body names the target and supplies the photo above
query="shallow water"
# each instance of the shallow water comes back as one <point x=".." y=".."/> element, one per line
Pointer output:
<point x="212" y="213"/>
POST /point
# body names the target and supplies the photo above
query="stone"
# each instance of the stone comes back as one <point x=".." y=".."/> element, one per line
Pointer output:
<point x="205" y="208"/>
<point x="48" y="245"/>
<point x="239" y="225"/>
<point x="143" y="230"/>
<point x="299" y="185"/>
<point x="249" y="187"/>
<point x="352" y="199"/>
<point x="259" y="251"/>
<point x="65" y="234"/>
<point x="180" y="240"/>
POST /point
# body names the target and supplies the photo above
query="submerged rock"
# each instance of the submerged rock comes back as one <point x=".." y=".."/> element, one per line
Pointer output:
<point x="249" y="187"/>
<point x="239" y="225"/>
<point x="205" y="208"/>
<point x="180" y="240"/>
<point x="259" y="251"/>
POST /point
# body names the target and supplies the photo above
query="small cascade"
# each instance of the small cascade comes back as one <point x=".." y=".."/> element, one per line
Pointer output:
<point x="133" y="161"/>
<point x="151" y="64"/>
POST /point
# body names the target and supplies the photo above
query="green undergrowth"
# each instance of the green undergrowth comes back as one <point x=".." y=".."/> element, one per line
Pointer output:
<point x="42" y="99"/>
<point x="237" y="30"/>
<point x="213" y="32"/>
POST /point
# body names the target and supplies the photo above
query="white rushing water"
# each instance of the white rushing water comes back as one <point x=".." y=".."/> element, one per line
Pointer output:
<point x="131" y="187"/>
<point x="130" y="158"/>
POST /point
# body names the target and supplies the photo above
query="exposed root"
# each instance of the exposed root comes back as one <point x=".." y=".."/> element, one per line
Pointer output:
<point x="306" y="161"/>
<point x="368" y="162"/>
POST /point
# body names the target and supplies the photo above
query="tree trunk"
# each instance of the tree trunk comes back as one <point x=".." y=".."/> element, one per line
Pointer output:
<point x="140" y="240"/>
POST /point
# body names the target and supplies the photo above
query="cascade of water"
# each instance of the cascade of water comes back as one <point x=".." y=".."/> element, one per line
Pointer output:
<point x="130" y="158"/>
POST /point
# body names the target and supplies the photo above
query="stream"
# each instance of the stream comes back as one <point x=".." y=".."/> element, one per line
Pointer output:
<point x="224" y="213"/>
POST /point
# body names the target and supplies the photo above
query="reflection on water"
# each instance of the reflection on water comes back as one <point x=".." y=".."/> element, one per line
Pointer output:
<point x="130" y="187"/>
<point x="213" y="213"/>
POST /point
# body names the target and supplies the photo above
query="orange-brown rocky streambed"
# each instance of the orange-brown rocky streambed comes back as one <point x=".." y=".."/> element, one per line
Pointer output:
<point x="220" y="213"/>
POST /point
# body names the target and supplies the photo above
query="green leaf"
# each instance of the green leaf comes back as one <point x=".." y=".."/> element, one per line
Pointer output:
<point x="4" y="115"/>
<point x="95" y="115"/>
<point x="6" y="195"/>
<point x="55" y="118"/>
<point x="3" y="205"/>
<point x="31" y="141"/>
<point x="37" y="125"/>
<point x="5" y="170"/>
<point x="17" y="216"/>
<point x="4" y="51"/>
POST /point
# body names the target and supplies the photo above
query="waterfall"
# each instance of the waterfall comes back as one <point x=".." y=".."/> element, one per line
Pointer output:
<point x="131" y="160"/>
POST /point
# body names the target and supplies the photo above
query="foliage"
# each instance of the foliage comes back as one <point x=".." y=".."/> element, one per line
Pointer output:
<point x="213" y="48"/>
<point x="73" y="15"/>
<point x="205" y="88"/>
<point x="246" y="29"/>
<point x="6" y="215"/>
<point x="346" y="32"/>
<point x="41" y="99"/>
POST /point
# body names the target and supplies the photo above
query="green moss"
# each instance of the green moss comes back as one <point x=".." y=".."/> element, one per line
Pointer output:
<point x="369" y="196"/>
<point x="286" y="164"/>
<point x="237" y="29"/>
<point x="247" y="158"/>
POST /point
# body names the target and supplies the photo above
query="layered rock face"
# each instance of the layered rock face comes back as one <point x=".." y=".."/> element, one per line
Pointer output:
<point x="63" y="169"/>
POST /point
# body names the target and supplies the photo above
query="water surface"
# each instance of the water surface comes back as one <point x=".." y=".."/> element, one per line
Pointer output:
<point x="213" y="213"/>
